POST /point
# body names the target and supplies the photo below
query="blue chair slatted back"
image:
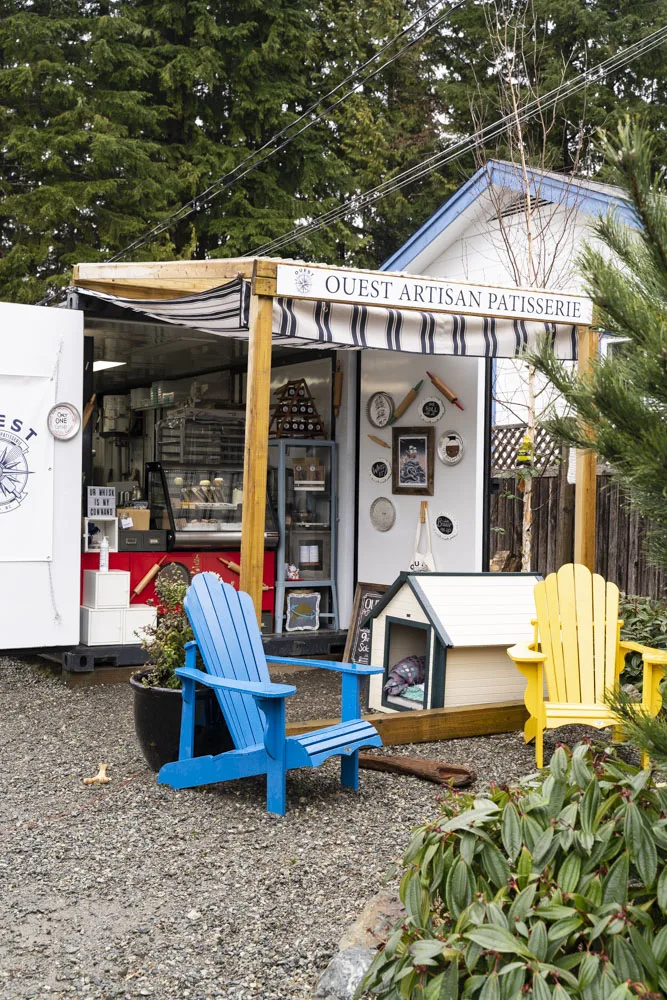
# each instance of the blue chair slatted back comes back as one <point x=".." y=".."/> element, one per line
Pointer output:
<point x="225" y="627"/>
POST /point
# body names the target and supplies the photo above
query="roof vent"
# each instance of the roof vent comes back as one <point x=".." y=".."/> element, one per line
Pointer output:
<point x="518" y="206"/>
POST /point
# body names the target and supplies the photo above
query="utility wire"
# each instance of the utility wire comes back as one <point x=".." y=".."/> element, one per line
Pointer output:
<point x="232" y="177"/>
<point x="458" y="148"/>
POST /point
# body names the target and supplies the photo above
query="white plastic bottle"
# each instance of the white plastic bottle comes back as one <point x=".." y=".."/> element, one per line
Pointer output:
<point x="104" y="555"/>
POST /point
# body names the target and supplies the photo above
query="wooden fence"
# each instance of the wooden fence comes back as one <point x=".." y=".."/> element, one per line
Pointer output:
<point x="620" y="533"/>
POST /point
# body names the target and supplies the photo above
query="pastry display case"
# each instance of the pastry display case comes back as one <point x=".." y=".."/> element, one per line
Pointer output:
<point x="195" y="488"/>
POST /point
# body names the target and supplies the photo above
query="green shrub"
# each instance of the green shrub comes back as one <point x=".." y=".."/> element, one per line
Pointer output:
<point x="554" y="888"/>
<point x="645" y="621"/>
<point x="165" y="641"/>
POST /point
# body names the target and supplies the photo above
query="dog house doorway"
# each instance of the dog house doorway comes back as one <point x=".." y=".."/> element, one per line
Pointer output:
<point x="413" y="666"/>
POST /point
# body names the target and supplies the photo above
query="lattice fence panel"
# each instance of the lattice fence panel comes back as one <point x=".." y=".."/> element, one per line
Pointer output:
<point x="505" y="443"/>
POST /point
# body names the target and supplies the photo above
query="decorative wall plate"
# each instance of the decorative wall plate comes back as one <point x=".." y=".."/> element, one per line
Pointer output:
<point x="64" y="421"/>
<point x="450" y="447"/>
<point x="380" y="470"/>
<point x="431" y="410"/>
<point x="383" y="514"/>
<point x="380" y="409"/>
<point x="445" y="526"/>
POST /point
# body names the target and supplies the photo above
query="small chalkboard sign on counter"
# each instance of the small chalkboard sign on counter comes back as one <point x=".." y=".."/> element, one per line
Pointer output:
<point x="358" y="644"/>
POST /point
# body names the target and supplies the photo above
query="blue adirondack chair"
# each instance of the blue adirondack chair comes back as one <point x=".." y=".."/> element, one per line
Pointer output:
<point x="225" y="628"/>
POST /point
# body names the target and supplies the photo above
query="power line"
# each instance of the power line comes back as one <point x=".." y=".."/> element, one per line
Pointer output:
<point x="232" y="177"/>
<point x="458" y="148"/>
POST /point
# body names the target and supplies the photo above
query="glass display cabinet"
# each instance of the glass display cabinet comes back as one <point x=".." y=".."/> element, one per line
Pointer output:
<point x="201" y="507"/>
<point x="302" y="489"/>
<point x="195" y="489"/>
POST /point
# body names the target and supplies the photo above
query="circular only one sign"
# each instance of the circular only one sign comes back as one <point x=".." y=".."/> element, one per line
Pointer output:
<point x="64" y="421"/>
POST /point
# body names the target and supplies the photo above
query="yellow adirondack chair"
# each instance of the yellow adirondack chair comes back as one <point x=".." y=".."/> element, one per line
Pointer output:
<point x="578" y="649"/>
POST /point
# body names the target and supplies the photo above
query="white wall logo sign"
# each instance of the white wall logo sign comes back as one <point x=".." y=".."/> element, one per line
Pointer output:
<point x="14" y="471"/>
<point x="26" y="469"/>
<point x="431" y="294"/>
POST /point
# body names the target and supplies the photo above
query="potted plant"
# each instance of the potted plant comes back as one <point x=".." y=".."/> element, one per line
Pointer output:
<point x="157" y="689"/>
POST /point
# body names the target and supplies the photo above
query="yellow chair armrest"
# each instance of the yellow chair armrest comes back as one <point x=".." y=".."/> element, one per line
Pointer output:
<point x="649" y="654"/>
<point x="524" y="654"/>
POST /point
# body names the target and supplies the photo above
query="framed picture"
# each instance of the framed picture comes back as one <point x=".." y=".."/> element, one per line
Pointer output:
<point x="303" y="611"/>
<point x="412" y="460"/>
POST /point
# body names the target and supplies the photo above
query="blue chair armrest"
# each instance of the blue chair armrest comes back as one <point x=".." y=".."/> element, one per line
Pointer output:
<point x="253" y="688"/>
<point x="342" y="668"/>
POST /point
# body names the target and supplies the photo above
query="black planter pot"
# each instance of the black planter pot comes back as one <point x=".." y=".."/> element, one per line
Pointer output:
<point x="157" y="720"/>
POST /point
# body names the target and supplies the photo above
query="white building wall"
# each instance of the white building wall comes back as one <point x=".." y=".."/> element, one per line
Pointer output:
<point x="458" y="489"/>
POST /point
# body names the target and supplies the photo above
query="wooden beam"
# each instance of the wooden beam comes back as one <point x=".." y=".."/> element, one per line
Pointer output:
<point x="169" y="289"/>
<point x="172" y="279"/>
<point x="586" y="471"/>
<point x="256" y="452"/>
<point x="401" y="728"/>
<point x="225" y="268"/>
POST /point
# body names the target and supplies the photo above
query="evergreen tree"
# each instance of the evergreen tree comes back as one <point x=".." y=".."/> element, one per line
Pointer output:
<point x="113" y="113"/>
<point x="116" y="112"/>
<point x="83" y="165"/>
<point x="560" y="39"/>
<point x="620" y="408"/>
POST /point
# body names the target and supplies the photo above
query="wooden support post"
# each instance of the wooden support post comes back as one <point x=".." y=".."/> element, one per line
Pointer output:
<point x="586" y="475"/>
<point x="256" y="452"/>
<point x="565" y="513"/>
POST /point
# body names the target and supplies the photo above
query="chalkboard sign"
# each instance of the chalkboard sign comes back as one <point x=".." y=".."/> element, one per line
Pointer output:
<point x="358" y="644"/>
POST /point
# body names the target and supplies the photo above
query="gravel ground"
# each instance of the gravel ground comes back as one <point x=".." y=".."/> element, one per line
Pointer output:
<point x="136" y="890"/>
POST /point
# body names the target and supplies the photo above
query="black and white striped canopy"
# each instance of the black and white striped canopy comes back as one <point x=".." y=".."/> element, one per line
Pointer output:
<point x="224" y="311"/>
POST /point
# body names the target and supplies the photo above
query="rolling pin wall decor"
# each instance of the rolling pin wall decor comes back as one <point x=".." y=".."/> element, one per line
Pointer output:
<point x="377" y="440"/>
<point x="337" y="389"/>
<point x="235" y="568"/>
<point x="145" y="580"/>
<point x="405" y="402"/>
<point x="445" y="390"/>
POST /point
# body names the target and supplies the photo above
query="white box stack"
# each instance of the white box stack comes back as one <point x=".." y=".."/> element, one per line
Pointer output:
<point x="136" y="619"/>
<point x="107" y="618"/>
<point x="106" y="590"/>
<point x="102" y="626"/>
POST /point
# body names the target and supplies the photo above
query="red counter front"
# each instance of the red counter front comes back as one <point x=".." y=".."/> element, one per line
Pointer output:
<point x="139" y="563"/>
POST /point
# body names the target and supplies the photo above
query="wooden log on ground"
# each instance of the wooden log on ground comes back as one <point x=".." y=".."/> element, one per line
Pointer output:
<point x="420" y="767"/>
<point x="432" y="724"/>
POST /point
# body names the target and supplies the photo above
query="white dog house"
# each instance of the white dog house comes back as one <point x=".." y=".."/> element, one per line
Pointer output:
<point x="442" y="639"/>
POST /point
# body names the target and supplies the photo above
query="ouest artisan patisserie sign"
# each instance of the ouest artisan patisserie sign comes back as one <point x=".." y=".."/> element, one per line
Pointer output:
<point x="400" y="291"/>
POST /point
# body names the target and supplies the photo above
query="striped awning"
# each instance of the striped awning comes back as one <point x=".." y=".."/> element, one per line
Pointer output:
<point x="224" y="311"/>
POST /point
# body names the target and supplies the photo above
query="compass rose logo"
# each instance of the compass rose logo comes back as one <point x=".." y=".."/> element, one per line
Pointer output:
<point x="14" y="471"/>
<point x="303" y="279"/>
